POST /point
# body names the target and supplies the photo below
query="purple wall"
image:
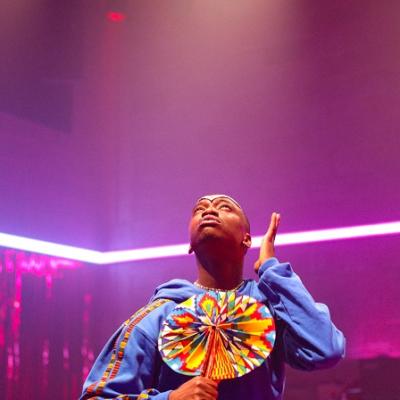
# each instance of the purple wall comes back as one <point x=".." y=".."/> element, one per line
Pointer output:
<point x="289" y="107"/>
<point x="110" y="131"/>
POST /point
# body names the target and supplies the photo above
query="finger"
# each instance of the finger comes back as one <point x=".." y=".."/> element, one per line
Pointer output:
<point x="210" y="393"/>
<point x="276" y="222"/>
<point x="210" y="382"/>
<point x="271" y="226"/>
<point x="205" y="379"/>
<point x="202" y="380"/>
<point x="205" y="397"/>
<point x="268" y="240"/>
<point x="213" y="383"/>
<point x="263" y="249"/>
<point x="209" y="389"/>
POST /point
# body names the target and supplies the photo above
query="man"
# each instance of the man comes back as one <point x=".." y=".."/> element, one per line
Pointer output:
<point x="130" y="366"/>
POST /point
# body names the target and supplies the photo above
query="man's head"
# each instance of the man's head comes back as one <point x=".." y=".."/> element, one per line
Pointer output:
<point x="219" y="218"/>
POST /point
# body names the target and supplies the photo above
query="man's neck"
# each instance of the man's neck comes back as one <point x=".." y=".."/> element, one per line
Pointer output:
<point x="217" y="273"/>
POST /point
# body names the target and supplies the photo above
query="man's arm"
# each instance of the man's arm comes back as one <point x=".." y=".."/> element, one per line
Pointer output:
<point x="309" y="338"/>
<point x="124" y="369"/>
<point x="129" y="365"/>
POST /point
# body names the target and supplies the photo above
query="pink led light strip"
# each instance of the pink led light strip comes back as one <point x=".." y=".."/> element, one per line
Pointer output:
<point x="112" y="257"/>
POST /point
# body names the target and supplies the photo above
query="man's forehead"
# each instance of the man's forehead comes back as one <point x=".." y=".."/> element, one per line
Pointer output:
<point x="212" y="197"/>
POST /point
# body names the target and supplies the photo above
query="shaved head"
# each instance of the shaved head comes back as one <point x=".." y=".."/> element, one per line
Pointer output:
<point x="212" y="197"/>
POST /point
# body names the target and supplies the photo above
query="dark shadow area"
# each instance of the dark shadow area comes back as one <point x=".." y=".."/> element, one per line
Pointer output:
<point x="369" y="379"/>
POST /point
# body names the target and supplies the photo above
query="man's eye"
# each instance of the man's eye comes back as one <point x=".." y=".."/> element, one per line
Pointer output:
<point x="197" y="209"/>
<point x="226" y="207"/>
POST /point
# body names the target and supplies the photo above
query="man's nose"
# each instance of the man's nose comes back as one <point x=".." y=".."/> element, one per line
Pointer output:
<point x="210" y="210"/>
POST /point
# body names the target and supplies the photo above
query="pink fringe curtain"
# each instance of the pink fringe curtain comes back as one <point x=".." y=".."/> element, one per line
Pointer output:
<point x="45" y="309"/>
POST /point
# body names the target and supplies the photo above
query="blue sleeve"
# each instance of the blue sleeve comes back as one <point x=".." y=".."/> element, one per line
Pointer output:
<point x="125" y="369"/>
<point x="310" y="340"/>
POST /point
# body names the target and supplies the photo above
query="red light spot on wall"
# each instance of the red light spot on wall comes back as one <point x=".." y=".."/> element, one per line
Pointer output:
<point x="115" y="16"/>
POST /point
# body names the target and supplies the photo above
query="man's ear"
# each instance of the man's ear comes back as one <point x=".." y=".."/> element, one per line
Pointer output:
<point x="247" y="240"/>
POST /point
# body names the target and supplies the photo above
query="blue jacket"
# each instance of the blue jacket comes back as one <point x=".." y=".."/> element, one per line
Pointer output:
<point x="130" y="366"/>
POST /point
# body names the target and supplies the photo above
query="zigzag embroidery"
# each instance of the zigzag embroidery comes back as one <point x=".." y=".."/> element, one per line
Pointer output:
<point x="117" y="355"/>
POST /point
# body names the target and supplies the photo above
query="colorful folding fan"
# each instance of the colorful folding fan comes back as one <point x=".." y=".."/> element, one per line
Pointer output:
<point x="220" y="335"/>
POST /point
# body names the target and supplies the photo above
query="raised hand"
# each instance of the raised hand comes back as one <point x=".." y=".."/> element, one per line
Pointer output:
<point x="198" y="388"/>
<point x="267" y="248"/>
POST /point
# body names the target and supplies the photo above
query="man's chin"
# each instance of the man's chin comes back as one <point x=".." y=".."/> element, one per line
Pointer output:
<point x="207" y="237"/>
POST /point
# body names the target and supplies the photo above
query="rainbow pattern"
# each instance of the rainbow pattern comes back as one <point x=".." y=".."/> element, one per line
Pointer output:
<point x="220" y="335"/>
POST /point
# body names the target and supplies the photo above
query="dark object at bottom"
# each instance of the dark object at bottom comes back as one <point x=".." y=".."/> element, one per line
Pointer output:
<point x="380" y="379"/>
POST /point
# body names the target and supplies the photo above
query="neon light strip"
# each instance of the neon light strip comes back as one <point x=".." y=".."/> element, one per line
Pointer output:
<point x="325" y="235"/>
<point x="147" y="253"/>
<point x="113" y="257"/>
<point x="50" y="249"/>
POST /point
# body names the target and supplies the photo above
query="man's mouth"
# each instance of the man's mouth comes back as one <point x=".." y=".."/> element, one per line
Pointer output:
<point x="209" y="221"/>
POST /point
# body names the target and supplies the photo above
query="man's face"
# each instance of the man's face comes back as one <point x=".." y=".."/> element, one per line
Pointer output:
<point x="218" y="217"/>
